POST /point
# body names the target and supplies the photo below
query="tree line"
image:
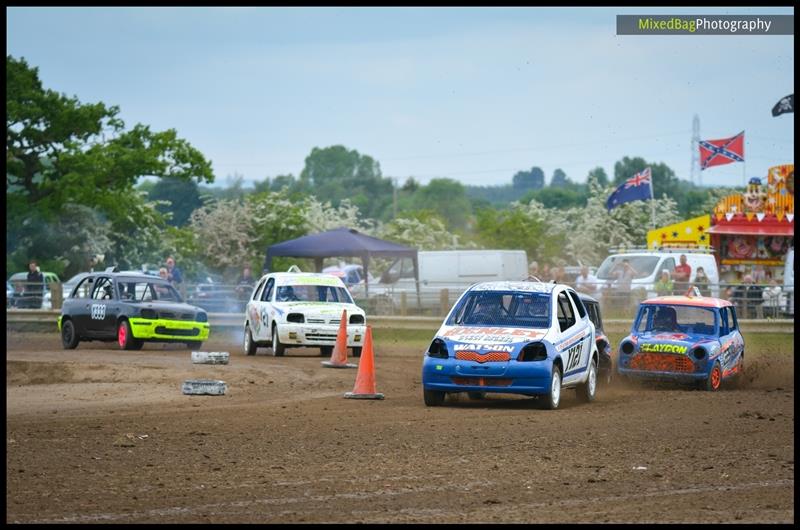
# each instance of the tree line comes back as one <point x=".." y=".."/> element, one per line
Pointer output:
<point x="76" y="198"/>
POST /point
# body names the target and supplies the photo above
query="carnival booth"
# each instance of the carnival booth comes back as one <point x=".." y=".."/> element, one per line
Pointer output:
<point x="749" y="233"/>
<point x="752" y="231"/>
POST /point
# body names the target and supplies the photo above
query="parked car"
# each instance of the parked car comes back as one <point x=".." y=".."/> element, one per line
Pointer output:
<point x="684" y="339"/>
<point x="217" y="297"/>
<point x="69" y="285"/>
<point x="295" y="309"/>
<point x="9" y="294"/>
<point x="527" y="338"/>
<point x="22" y="293"/>
<point x="648" y="265"/>
<point x="130" y="308"/>
<point x="605" y="350"/>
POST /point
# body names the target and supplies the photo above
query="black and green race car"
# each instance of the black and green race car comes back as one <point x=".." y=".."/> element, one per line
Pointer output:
<point x="131" y="309"/>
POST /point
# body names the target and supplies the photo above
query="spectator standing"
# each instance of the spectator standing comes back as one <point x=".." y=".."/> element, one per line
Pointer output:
<point x="682" y="274"/>
<point x="174" y="274"/>
<point x="748" y="296"/>
<point x="34" y="286"/>
<point x="701" y="282"/>
<point x="774" y="299"/>
<point x="533" y="269"/>
<point x="664" y="286"/>
<point x="557" y="274"/>
<point x="245" y="284"/>
<point x="586" y="282"/>
<point x="624" y="273"/>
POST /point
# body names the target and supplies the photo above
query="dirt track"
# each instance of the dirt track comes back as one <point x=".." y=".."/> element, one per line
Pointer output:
<point x="99" y="435"/>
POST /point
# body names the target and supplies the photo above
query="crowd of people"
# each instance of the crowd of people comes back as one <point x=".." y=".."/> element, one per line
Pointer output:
<point x="753" y="297"/>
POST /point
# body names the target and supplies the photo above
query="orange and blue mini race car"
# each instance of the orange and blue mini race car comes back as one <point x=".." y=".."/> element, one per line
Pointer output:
<point x="683" y="339"/>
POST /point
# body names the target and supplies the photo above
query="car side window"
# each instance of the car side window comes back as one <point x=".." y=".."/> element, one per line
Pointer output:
<point x="566" y="318"/>
<point x="84" y="289"/>
<point x="724" y="322"/>
<point x="103" y="289"/>
<point x="257" y="292"/>
<point x="268" y="290"/>
<point x="578" y="304"/>
<point x="734" y="321"/>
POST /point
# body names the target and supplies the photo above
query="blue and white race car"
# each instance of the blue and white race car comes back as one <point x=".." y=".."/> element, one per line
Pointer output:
<point x="529" y="338"/>
<point x="690" y="339"/>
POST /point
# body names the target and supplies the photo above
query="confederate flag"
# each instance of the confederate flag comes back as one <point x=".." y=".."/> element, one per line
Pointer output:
<point x="724" y="151"/>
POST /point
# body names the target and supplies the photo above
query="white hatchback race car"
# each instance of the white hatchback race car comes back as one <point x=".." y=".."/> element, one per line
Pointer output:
<point x="288" y="309"/>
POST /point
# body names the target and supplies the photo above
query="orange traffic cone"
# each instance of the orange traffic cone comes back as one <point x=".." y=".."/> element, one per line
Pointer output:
<point x="339" y="354"/>
<point x="365" y="378"/>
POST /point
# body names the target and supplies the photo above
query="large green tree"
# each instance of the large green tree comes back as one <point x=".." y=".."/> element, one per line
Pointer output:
<point x="62" y="153"/>
<point x="336" y="173"/>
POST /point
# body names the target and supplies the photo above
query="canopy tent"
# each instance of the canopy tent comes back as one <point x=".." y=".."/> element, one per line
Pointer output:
<point x="342" y="242"/>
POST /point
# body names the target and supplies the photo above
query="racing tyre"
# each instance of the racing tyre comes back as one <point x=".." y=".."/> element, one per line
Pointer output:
<point x="714" y="381"/>
<point x="125" y="337"/>
<point x="551" y="400"/>
<point x="277" y="348"/>
<point x="250" y="347"/>
<point x="357" y="351"/>
<point x="69" y="337"/>
<point x="194" y="345"/>
<point x="325" y="351"/>
<point x="475" y="396"/>
<point x="433" y="398"/>
<point x="588" y="391"/>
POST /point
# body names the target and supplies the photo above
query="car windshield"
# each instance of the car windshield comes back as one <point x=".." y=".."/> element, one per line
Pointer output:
<point x="498" y="308"/>
<point x="676" y="319"/>
<point x="147" y="291"/>
<point x="312" y="293"/>
<point x="613" y="267"/>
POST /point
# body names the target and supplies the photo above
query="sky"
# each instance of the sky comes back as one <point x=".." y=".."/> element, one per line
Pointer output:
<point x="473" y="94"/>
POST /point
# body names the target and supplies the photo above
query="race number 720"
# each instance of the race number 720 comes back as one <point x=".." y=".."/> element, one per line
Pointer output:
<point x="573" y="356"/>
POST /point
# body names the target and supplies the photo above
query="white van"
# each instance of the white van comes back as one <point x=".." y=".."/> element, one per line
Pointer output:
<point x="649" y="265"/>
<point x="454" y="270"/>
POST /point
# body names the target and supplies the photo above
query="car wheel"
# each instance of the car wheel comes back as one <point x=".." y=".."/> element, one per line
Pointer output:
<point x="475" y="396"/>
<point x="433" y="398"/>
<point x="194" y="345"/>
<point x="714" y="380"/>
<point x="357" y="351"/>
<point x="552" y="399"/>
<point x="277" y="348"/>
<point x="325" y="351"/>
<point x="69" y="337"/>
<point x="125" y="337"/>
<point x="588" y="391"/>
<point x="250" y="347"/>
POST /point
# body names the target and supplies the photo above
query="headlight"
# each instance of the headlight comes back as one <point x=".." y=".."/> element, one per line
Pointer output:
<point x="297" y="318"/>
<point x="627" y="348"/>
<point x="535" y="351"/>
<point x="149" y="313"/>
<point x="356" y="319"/>
<point x="438" y="349"/>
<point x="202" y="317"/>
<point x="698" y="353"/>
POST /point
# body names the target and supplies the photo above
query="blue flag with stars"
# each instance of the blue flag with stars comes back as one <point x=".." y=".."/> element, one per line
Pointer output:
<point x="636" y="188"/>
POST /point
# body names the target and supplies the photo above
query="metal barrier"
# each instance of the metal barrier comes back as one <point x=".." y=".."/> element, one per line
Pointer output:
<point x="754" y="301"/>
<point x="46" y="320"/>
